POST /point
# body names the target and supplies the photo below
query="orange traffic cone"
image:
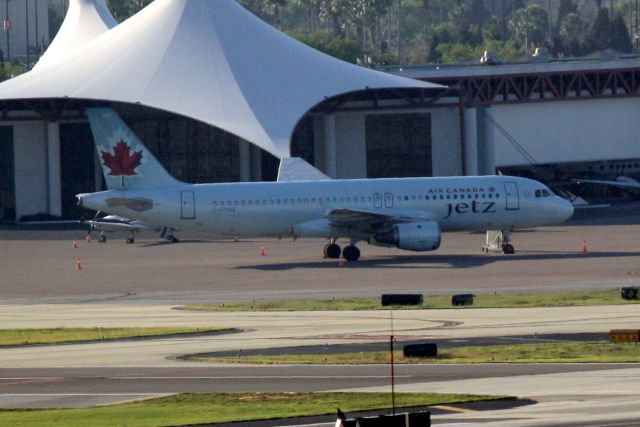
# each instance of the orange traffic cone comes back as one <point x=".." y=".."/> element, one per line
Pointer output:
<point x="262" y="251"/>
<point x="88" y="238"/>
<point x="78" y="264"/>
<point x="585" y="247"/>
<point x="74" y="244"/>
<point x="342" y="262"/>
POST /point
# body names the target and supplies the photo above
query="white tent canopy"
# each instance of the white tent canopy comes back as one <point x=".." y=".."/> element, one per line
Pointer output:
<point x="209" y="60"/>
<point x="85" y="20"/>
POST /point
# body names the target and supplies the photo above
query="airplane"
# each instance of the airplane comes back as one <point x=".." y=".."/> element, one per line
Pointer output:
<point x="407" y="213"/>
<point x="114" y="223"/>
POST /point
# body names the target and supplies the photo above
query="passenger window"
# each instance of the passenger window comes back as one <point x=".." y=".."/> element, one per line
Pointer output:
<point x="299" y="201"/>
<point x="242" y="202"/>
<point x="497" y="195"/>
<point x="341" y="199"/>
<point x="277" y="201"/>
<point x="235" y="203"/>
<point x="369" y="199"/>
<point x="250" y="202"/>
<point x="406" y="198"/>
<point x="215" y="204"/>
<point x="538" y="193"/>
<point x="348" y="199"/>
<point x="306" y="200"/>
<point x="455" y="196"/>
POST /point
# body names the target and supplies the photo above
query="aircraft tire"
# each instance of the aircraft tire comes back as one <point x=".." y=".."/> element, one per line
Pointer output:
<point x="351" y="253"/>
<point x="508" y="249"/>
<point x="173" y="239"/>
<point x="102" y="239"/>
<point x="332" y="250"/>
<point x="130" y="240"/>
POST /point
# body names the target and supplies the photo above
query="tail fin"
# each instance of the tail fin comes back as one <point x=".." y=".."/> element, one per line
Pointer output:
<point x="126" y="162"/>
<point x="296" y="169"/>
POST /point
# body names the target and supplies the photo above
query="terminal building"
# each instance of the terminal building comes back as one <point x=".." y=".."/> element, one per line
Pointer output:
<point x="216" y="105"/>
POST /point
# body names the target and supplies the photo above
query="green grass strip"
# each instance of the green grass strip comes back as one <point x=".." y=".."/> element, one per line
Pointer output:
<point x="494" y="300"/>
<point x="188" y="408"/>
<point x="564" y="352"/>
<point x="14" y="337"/>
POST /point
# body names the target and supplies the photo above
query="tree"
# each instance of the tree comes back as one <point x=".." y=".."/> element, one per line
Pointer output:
<point x="564" y="8"/>
<point x="620" y="39"/>
<point x="572" y="31"/>
<point x="478" y="13"/>
<point x="600" y="34"/>
<point x="123" y="9"/>
<point x="530" y="25"/>
<point x="336" y="46"/>
<point x="441" y="34"/>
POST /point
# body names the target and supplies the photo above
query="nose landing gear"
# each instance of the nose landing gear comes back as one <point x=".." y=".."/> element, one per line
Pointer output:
<point x="499" y="241"/>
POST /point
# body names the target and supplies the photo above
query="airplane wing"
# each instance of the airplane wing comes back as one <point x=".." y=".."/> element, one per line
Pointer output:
<point x="624" y="183"/>
<point x="366" y="220"/>
<point x="118" y="226"/>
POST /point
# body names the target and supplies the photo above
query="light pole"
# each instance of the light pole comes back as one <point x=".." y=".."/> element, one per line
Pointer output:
<point x="26" y="20"/>
<point x="7" y="29"/>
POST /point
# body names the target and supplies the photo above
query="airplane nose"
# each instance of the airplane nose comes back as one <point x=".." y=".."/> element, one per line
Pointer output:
<point x="565" y="210"/>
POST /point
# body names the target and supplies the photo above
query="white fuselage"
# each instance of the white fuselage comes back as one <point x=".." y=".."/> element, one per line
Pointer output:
<point x="278" y="208"/>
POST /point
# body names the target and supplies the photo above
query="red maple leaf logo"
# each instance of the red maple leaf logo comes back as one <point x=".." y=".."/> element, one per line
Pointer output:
<point x="122" y="161"/>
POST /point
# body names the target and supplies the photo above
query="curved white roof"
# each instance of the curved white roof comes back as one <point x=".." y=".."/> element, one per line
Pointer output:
<point x="213" y="61"/>
<point x="85" y="20"/>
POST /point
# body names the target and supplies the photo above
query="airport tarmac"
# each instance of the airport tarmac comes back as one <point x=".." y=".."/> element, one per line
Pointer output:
<point x="141" y="285"/>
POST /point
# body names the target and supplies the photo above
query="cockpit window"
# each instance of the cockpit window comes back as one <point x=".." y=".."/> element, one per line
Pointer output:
<point x="542" y="193"/>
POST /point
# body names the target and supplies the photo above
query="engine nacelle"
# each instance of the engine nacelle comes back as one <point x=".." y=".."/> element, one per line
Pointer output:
<point x="412" y="236"/>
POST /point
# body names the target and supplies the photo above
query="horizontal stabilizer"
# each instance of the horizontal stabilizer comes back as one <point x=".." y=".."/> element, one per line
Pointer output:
<point x="296" y="169"/>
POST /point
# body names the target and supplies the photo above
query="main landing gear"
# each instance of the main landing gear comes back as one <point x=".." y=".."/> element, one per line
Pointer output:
<point x="499" y="241"/>
<point x="333" y="250"/>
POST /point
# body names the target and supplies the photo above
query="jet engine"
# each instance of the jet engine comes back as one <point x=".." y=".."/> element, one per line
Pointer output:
<point x="412" y="236"/>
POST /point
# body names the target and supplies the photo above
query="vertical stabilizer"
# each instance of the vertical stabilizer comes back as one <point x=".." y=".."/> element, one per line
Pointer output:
<point x="296" y="169"/>
<point x="125" y="161"/>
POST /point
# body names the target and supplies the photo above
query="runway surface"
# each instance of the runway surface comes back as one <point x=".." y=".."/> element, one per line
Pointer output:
<point x="142" y="284"/>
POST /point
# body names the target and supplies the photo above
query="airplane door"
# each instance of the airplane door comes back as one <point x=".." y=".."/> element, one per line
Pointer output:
<point x="388" y="200"/>
<point x="187" y="205"/>
<point x="377" y="200"/>
<point x="511" y="192"/>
